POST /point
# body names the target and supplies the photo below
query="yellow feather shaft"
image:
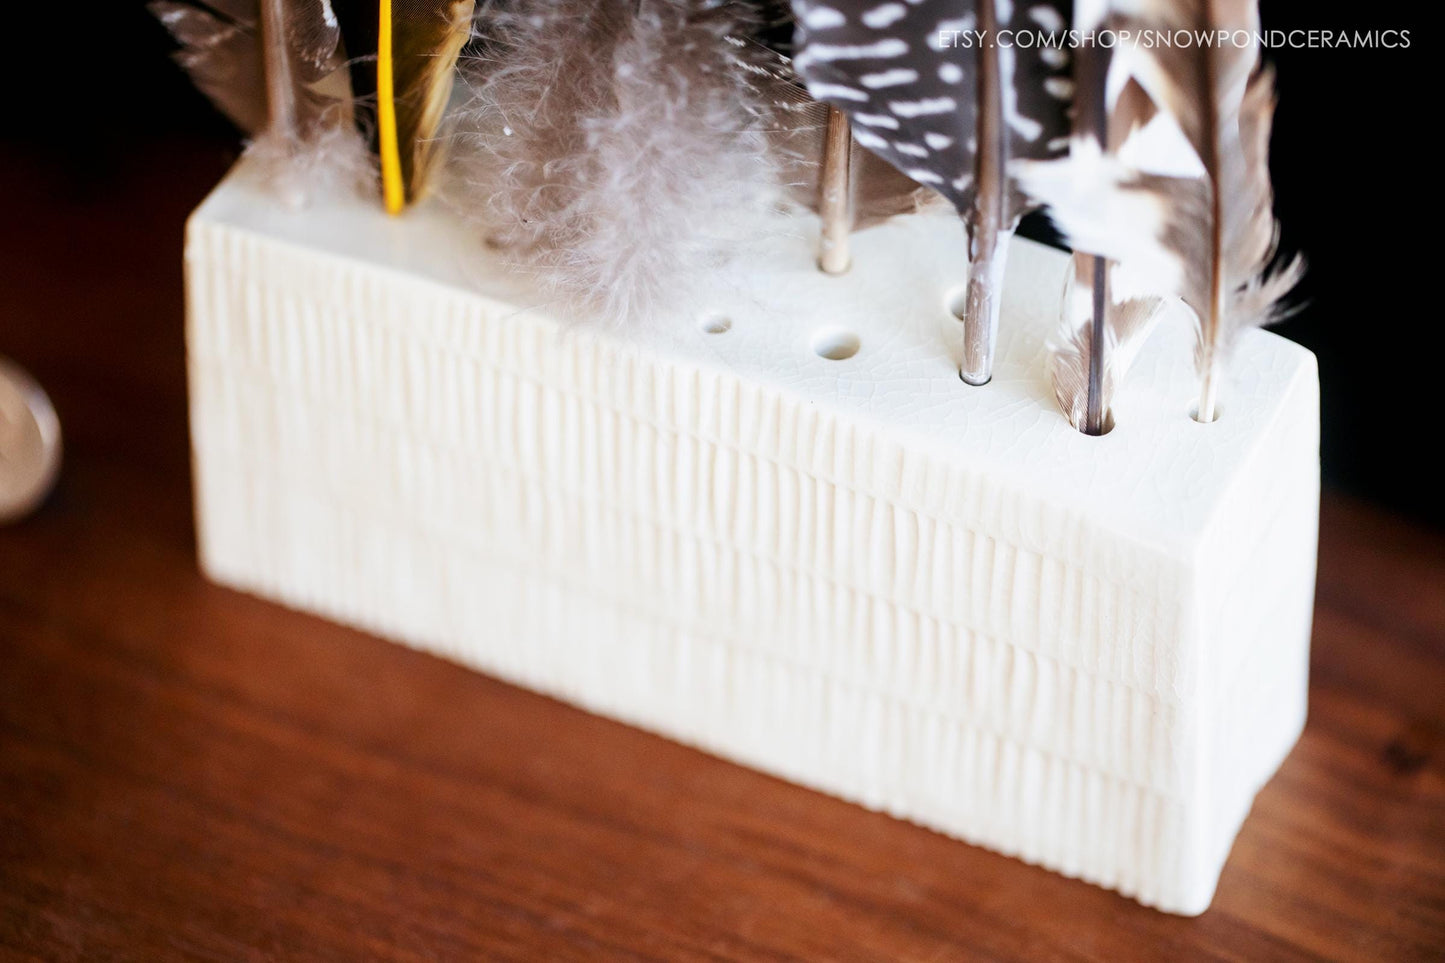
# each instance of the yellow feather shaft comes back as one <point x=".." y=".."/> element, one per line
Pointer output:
<point x="393" y="190"/>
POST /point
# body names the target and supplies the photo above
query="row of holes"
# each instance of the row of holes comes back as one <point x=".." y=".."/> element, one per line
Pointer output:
<point x="833" y="343"/>
<point x="840" y="344"/>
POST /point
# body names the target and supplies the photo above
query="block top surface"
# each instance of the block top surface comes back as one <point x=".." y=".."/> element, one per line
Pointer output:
<point x="1157" y="477"/>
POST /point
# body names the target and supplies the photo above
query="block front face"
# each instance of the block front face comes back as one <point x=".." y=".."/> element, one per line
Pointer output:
<point x="793" y="570"/>
<point x="1256" y="601"/>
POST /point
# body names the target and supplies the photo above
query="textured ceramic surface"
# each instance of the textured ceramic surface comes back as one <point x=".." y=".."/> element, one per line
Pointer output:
<point x="859" y="574"/>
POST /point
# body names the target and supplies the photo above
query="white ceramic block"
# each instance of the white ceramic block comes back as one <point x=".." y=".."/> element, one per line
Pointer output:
<point x="859" y="574"/>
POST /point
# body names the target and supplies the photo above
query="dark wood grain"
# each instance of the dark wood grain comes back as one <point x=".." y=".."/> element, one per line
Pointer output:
<point x="186" y="772"/>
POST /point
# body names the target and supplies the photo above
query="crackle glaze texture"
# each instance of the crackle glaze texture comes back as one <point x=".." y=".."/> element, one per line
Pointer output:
<point x="860" y="574"/>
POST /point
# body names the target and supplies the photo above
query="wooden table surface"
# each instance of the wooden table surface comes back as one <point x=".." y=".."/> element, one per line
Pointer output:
<point x="189" y="773"/>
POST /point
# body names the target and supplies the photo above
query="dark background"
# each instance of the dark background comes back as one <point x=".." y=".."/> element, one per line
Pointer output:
<point x="1354" y="161"/>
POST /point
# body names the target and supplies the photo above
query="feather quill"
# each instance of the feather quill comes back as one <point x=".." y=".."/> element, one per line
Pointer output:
<point x="614" y="150"/>
<point x="1086" y="359"/>
<point x="797" y="131"/>
<point x="835" y="194"/>
<point x="403" y="60"/>
<point x="931" y="87"/>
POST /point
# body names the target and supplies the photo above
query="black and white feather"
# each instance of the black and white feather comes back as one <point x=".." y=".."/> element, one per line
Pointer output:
<point x="1204" y="231"/>
<point x="939" y="89"/>
<point x="1100" y="334"/>
<point x="907" y="75"/>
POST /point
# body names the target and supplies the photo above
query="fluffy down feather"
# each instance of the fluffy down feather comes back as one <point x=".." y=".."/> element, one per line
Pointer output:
<point x="614" y="149"/>
<point x="333" y="162"/>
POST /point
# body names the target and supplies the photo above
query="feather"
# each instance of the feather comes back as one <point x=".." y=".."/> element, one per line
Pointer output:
<point x="1132" y="218"/>
<point x="404" y="54"/>
<point x="1100" y="336"/>
<point x="268" y="65"/>
<point x="289" y="94"/>
<point x="1073" y="362"/>
<point x="835" y="191"/>
<point x="613" y="150"/>
<point x="1210" y="238"/>
<point x="222" y="54"/>
<point x="1146" y="226"/>
<point x="797" y="126"/>
<point x="950" y="111"/>
<point x="1080" y="362"/>
<point x="1247" y="276"/>
<point x="1224" y="103"/>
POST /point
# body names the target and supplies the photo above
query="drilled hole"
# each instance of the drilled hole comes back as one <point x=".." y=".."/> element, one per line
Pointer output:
<point x="715" y="323"/>
<point x="835" y="344"/>
<point x="1194" y="414"/>
<point x="956" y="301"/>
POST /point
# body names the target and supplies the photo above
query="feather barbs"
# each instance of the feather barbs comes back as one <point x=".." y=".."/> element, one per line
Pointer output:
<point x="1185" y="206"/>
<point x="1128" y="324"/>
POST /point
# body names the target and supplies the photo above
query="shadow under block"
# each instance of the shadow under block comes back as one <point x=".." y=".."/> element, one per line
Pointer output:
<point x="861" y="575"/>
